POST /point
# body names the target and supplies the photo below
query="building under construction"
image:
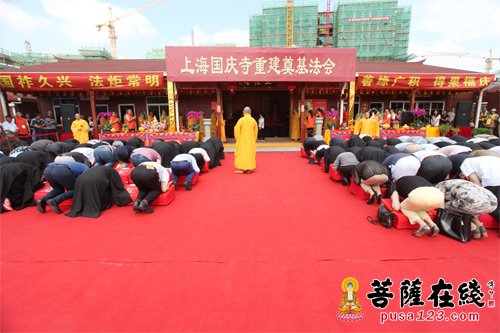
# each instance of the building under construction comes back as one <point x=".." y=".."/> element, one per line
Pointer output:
<point x="378" y="29"/>
<point x="29" y="58"/>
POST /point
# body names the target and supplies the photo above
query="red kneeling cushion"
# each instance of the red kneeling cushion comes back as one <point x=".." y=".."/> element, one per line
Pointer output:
<point x="163" y="199"/>
<point x="334" y="175"/>
<point x="489" y="222"/>
<point x="125" y="174"/>
<point x="358" y="191"/>
<point x="183" y="178"/>
<point x="303" y="153"/>
<point x="45" y="190"/>
<point x="206" y="167"/>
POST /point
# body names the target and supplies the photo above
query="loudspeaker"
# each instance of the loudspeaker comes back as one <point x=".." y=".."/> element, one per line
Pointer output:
<point x="406" y="118"/>
<point x="463" y="115"/>
<point x="68" y="115"/>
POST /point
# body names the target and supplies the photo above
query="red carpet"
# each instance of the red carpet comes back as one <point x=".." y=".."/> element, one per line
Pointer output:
<point x="261" y="252"/>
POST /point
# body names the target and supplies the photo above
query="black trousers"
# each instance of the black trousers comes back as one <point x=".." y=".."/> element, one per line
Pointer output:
<point x="148" y="183"/>
<point x="435" y="168"/>
<point x="346" y="170"/>
<point x="261" y="134"/>
<point x="496" y="191"/>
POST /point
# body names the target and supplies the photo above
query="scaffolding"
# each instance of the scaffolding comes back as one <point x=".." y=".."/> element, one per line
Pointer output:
<point x="378" y="29"/>
<point x="16" y="59"/>
<point x="270" y="28"/>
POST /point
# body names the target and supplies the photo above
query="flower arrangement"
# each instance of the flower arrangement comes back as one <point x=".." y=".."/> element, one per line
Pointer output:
<point x="103" y="117"/>
<point x="418" y="113"/>
<point x="194" y="120"/>
<point x="152" y="126"/>
<point x="331" y="118"/>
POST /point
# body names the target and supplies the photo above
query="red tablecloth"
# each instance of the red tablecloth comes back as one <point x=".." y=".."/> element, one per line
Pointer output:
<point x="383" y="133"/>
<point x="148" y="138"/>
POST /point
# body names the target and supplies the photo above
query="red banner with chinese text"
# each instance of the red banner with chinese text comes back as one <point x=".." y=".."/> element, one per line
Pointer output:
<point x="71" y="81"/>
<point x="424" y="81"/>
<point x="266" y="64"/>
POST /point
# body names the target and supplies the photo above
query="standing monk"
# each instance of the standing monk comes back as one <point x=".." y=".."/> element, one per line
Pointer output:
<point x="245" y="133"/>
<point x="115" y="122"/>
<point x="129" y="120"/>
<point x="80" y="129"/>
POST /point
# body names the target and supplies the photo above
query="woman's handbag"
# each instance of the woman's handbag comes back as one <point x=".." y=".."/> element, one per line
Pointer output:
<point x="457" y="226"/>
<point x="384" y="216"/>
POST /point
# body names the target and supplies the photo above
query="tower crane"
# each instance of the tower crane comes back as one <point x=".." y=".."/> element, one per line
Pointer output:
<point x="110" y="24"/>
<point x="488" y="59"/>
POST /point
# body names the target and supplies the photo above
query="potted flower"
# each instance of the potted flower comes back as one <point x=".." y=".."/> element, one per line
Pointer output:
<point x="105" y="127"/>
<point x="444" y="129"/>
<point x="194" y="120"/>
<point x="418" y="114"/>
<point x="331" y="118"/>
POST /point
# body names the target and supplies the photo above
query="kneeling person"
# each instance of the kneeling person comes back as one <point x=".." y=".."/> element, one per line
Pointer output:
<point x="420" y="197"/>
<point x="151" y="179"/>
<point x="184" y="165"/>
<point x="61" y="175"/>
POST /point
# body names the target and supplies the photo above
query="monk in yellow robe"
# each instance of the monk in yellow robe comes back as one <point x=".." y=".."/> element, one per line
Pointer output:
<point x="245" y="133"/>
<point x="222" y="128"/>
<point x="295" y="125"/>
<point x="213" y="124"/>
<point x="363" y="124"/>
<point x="374" y="126"/>
<point x="80" y="129"/>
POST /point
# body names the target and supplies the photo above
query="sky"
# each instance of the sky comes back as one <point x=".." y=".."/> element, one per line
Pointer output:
<point x="464" y="27"/>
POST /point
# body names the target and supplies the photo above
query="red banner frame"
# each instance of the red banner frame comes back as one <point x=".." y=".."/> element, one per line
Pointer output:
<point x="465" y="81"/>
<point x="264" y="64"/>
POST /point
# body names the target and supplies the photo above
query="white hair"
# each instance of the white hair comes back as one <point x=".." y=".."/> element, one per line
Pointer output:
<point x="247" y="110"/>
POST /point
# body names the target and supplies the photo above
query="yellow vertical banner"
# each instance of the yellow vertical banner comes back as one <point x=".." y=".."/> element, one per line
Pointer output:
<point x="171" y="106"/>
<point x="350" y="112"/>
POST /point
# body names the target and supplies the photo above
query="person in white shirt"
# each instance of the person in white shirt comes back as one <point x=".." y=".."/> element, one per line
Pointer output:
<point x="9" y="126"/>
<point x="484" y="171"/>
<point x="184" y="165"/>
<point x="436" y="117"/>
<point x="151" y="179"/>
<point x="451" y="115"/>
<point x="87" y="152"/>
<point x="202" y="152"/>
<point x="261" y="127"/>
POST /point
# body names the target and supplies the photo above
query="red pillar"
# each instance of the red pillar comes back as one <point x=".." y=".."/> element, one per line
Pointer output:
<point x="94" y="114"/>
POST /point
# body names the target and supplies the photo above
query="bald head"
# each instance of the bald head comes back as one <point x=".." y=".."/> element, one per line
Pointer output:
<point x="247" y="110"/>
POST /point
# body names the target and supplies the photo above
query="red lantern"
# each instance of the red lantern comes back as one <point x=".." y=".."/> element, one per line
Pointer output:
<point x="291" y="88"/>
<point x="231" y="88"/>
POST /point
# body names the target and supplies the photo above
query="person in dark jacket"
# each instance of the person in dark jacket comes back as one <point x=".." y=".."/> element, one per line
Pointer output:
<point x="167" y="151"/>
<point x="186" y="146"/>
<point x="38" y="159"/>
<point x="331" y="155"/>
<point x="18" y="184"/>
<point x="96" y="190"/>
